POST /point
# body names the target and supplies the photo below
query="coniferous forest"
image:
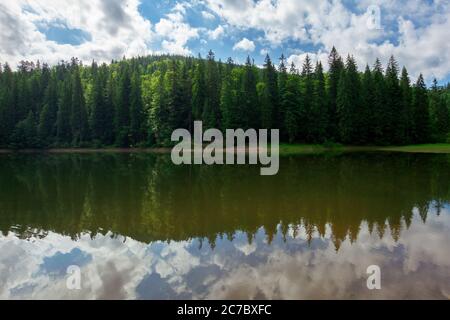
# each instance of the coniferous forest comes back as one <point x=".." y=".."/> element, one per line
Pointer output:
<point x="139" y="102"/>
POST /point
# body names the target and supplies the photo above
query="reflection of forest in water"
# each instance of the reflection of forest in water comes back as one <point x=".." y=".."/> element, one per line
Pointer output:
<point x="145" y="197"/>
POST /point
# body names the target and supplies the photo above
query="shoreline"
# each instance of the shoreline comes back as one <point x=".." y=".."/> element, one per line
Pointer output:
<point x="285" y="149"/>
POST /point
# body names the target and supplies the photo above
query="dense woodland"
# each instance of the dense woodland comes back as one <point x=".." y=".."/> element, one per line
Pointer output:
<point x="139" y="102"/>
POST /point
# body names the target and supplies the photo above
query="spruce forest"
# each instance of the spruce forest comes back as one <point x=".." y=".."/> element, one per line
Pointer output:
<point x="139" y="102"/>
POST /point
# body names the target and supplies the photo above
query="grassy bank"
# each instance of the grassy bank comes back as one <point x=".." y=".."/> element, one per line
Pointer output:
<point x="288" y="149"/>
<point x="285" y="149"/>
<point x="422" y="148"/>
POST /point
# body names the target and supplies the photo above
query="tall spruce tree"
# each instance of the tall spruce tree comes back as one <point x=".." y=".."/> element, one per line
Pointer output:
<point x="379" y="105"/>
<point x="47" y="121"/>
<point x="291" y="105"/>
<point x="78" y="113"/>
<point x="269" y="95"/>
<point x="406" y="106"/>
<point x="251" y="114"/>
<point x="348" y="102"/>
<point x="319" y="109"/>
<point x="64" y="132"/>
<point x="211" y="111"/>
<point x="336" y="65"/>
<point x="421" y="112"/>
<point x="394" y="125"/>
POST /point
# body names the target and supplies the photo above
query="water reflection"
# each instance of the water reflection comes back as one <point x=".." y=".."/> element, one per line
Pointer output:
<point x="140" y="227"/>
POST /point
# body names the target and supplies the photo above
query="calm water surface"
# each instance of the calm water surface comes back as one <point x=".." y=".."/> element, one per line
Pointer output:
<point x="142" y="228"/>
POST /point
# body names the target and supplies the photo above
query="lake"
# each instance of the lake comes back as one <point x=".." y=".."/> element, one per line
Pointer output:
<point x="139" y="227"/>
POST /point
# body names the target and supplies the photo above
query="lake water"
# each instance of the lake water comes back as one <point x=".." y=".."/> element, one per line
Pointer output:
<point x="139" y="227"/>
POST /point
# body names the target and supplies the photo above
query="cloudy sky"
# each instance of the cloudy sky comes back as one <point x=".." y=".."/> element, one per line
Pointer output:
<point x="415" y="31"/>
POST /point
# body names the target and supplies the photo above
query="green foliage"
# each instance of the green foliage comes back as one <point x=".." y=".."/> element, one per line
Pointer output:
<point x="140" y="101"/>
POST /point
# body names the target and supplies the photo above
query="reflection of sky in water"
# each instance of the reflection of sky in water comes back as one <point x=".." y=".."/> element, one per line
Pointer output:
<point x="416" y="266"/>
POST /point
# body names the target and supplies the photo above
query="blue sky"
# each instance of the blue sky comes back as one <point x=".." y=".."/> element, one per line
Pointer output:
<point x="415" y="31"/>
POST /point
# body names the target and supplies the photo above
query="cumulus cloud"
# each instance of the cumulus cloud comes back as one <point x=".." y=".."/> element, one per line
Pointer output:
<point x="216" y="33"/>
<point x="414" y="31"/>
<point x="245" y="45"/>
<point x="175" y="31"/>
<point x="115" y="28"/>
<point x="208" y="15"/>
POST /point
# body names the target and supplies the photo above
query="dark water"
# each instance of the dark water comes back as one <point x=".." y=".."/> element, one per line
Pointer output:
<point x="140" y="227"/>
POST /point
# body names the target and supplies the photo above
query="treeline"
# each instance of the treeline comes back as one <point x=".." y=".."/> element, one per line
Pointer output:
<point x="140" y="101"/>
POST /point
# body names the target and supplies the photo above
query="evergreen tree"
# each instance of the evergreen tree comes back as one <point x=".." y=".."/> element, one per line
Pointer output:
<point x="122" y="114"/>
<point x="228" y="100"/>
<point x="269" y="96"/>
<point x="136" y="111"/>
<point x="319" y="107"/>
<point x="394" y="125"/>
<point x="439" y="113"/>
<point x="365" y="122"/>
<point x="211" y="112"/>
<point x="291" y="105"/>
<point x="98" y="106"/>
<point x="251" y="114"/>
<point x="280" y="120"/>
<point x="379" y="105"/>
<point x="198" y="90"/>
<point x="64" y="134"/>
<point x="47" y="122"/>
<point x="78" y="116"/>
<point x="406" y="106"/>
<point x="348" y="102"/>
<point x="421" y="114"/>
<point x="336" y="66"/>
<point x="308" y="116"/>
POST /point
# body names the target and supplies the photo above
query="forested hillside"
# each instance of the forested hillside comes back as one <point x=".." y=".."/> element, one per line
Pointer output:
<point x="140" y="101"/>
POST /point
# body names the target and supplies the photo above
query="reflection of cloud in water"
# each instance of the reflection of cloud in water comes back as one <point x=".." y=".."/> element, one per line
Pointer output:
<point x="416" y="266"/>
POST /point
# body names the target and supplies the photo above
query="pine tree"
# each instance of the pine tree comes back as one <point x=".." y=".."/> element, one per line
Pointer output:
<point x="270" y="103"/>
<point x="394" y="125"/>
<point x="421" y="112"/>
<point x="406" y="106"/>
<point x="336" y="66"/>
<point x="291" y="105"/>
<point x="211" y="112"/>
<point x="251" y="114"/>
<point x="228" y="98"/>
<point x="280" y="120"/>
<point x="379" y="104"/>
<point x="198" y="91"/>
<point x="348" y="102"/>
<point x="136" y="111"/>
<point x="78" y="116"/>
<point x="366" y="131"/>
<point x="98" y="109"/>
<point x="64" y="134"/>
<point x="308" y="118"/>
<point x="439" y="113"/>
<point x="319" y="107"/>
<point x="122" y="114"/>
<point x="47" y="121"/>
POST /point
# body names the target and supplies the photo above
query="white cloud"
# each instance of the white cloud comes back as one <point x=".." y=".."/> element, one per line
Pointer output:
<point x="421" y="40"/>
<point x="208" y="15"/>
<point x="264" y="51"/>
<point x="216" y="33"/>
<point x="175" y="32"/>
<point x="245" y="45"/>
<point x="116" y="28"/>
